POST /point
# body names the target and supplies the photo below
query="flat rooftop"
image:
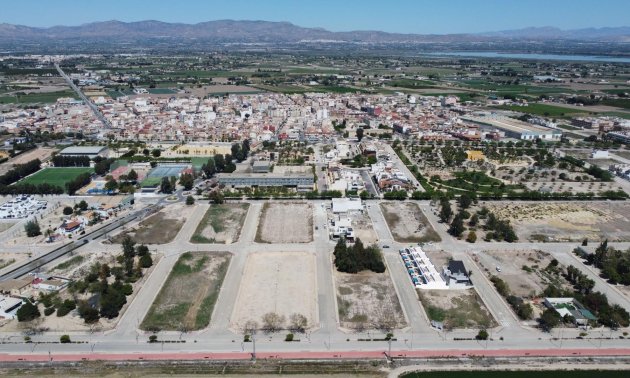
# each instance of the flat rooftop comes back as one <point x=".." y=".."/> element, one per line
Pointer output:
<point x="511" y="124"/>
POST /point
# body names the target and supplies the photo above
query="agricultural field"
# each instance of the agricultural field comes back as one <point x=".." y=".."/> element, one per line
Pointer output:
<point x="55" y="176"/>
<point x="368" y="300"/>
<point x="285" y="223"/>
<point x="32" y="98"/>
<point x="282" y="283"/>
<point x="456" y="308"/>
<point x="408" y="223"/>
<point x="566" y="221"/>
<point x="187" y="299"/>
<point x="221" y="224"/>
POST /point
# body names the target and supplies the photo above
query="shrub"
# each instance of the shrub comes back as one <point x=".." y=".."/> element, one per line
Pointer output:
<point x="67" y="210"/>
<point x="289" y="337"/>
<point x="49" y="311"/>
<point x="482" y="335"/>
<point x="64" y="339"/>
<point x="153" y="338"/>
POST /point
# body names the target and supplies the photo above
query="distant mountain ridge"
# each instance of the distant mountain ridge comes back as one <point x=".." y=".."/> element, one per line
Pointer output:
<point x="232" y="31"/>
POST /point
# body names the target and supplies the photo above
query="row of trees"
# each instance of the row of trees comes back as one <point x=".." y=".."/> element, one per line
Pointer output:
<point x="356" y="258"/>
<point x="80" y="181"/>
<point x="70" y="161"/>
<point x="218" y="164"/>
<point x="240" y="151"/>
<point x="20" y="171"/>
<point x="613" y="263"/>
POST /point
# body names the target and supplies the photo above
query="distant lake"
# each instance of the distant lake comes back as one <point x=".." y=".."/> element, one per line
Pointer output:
<point x="490" y="54"/>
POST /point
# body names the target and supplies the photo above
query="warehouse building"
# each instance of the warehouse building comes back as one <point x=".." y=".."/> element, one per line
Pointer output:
<point x="514" y="128"/>
<point x="300" y="181"/>
<point x="89" y="151"/>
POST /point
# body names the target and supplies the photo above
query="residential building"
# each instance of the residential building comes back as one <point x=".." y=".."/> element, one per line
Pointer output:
<point x="455" y="275"/>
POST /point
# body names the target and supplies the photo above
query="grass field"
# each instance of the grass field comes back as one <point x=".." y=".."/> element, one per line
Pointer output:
<point x="541" y="109"/>
<point x="221" y="224"/>
<point x="55" y="176"/>
<point x="32" y="98"/>
<point x="187" y="299"/>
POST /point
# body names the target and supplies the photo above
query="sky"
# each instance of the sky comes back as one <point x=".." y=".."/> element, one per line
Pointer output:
<point x="400" y="16"/>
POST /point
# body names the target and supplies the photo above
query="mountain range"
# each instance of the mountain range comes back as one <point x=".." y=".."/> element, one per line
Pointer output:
<point x="231" y="31"/>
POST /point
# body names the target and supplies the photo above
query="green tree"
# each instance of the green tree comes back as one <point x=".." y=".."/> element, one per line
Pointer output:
<point x="32" y="229"/>
<point x="472" y="237"/>
<point x="165" y="186"/>
<point x="482" y="335"/>
<point x="359" y="134"/>
<point x="132" y="176"/>
<point x="64" y="339"/>
<point x="27" y="312"/>
<point x="146" y="261"/>
<point x="156" y="153"/>
<point x="111" y="185"/>
<point x="457" y="226"/>
<point x="190" y="200"/>
<point x="446" y="212"/>
<point x="187" y="181"/>
<point x="549" y="319"/>
<point x="67" y="210"/>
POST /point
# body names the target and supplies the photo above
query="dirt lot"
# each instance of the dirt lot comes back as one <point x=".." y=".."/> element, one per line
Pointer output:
<point x="42" y="154"/>
<point x="280" y="282"/>
<point x="456" y="308"/>
<point x="159" y="228"/>
<point x="523" y="271"/>
<point x="368" y="300"/>
<point x="188" y="296"/>
<point x="407" y="223"/>
<point x="286" y="222"/>
<point x="221" y="224"/>
<point x="567" y="221"/>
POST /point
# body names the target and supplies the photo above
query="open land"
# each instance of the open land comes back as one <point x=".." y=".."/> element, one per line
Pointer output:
<point x="187" y="299"/>
<point x="407" y="223"/>
<point x="278" y="282"/>
<point x="160" y="228"/>
<point x="221" y="224"/>
<point x="456" y="308"/>
<point x="286" y="223"/>
<point x="567" y="221"/>
<point x="368" y="300"/>
<point x="523" y="271"/>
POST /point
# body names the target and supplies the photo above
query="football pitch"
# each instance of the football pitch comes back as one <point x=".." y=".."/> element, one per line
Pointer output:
<point x="55" y="176"/>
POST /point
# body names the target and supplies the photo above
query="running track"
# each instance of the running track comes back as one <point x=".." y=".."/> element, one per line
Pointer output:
<point x="63" y="357"/>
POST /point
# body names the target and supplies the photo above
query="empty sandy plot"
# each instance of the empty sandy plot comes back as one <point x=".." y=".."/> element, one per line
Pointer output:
<point x="407" y="223"/>
<point x="286" y="222"/>
<point x="567" y="221"/>
<point x="456" y="308"/>
<point x="278" y="282"/>
<point x="368" y="300"/>
<point x="221" y="224"/>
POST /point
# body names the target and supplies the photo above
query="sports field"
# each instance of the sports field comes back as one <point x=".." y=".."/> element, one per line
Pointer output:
<point x="55" y="176"/>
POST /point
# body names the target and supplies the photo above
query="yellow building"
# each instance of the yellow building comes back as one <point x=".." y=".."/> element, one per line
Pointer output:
<point x="475" y="155"/>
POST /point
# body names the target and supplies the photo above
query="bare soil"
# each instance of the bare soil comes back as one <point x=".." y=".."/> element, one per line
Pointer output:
<point x="286" y="222"/>
<point x="408" y="223"/>
<point x="221" y="224"/>
<point x="279" y="282"/>
<point x="456" y="308"/>
<point x="160" y="228"/>
<point x="567" y="221"/>
<point x="368" y="300"/>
